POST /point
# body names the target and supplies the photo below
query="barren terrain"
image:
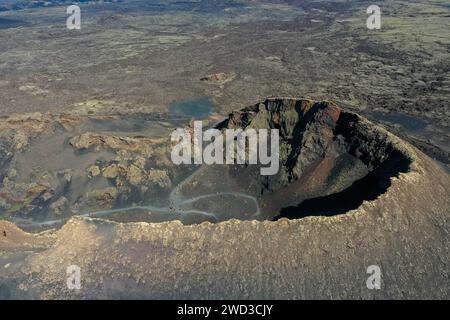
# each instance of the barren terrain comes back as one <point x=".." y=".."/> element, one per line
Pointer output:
<point x="86" y="176"/>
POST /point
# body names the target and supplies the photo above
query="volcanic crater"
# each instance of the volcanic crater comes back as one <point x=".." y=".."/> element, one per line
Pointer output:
<point x="119" y="168"/>
<point x="364" y="197"/>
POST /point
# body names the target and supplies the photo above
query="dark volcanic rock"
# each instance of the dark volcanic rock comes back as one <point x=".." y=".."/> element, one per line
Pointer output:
<point x="324" y="152"/>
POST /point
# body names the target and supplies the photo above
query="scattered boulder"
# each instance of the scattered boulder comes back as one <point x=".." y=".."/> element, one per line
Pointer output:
<point x="104" y="197"/>
<point x="94" y="171"/>
<point x="134" y="175"/>
<point x="59" y="206"/>
<point x="111" y="172"/>
<point x="218" y="78"/>
<point x="159" y="178"/>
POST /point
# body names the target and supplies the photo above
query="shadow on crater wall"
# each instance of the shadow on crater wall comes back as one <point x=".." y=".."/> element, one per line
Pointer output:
<point x="366" y="189"/>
